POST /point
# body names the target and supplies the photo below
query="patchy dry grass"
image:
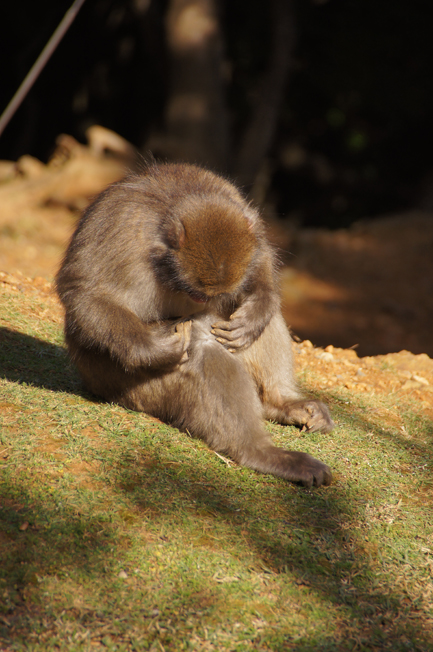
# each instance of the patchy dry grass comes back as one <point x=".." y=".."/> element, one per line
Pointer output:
<point x="120" y="533"/>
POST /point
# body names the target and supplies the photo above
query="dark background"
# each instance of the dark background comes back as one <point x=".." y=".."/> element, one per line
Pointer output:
<point x="352" y="134"/>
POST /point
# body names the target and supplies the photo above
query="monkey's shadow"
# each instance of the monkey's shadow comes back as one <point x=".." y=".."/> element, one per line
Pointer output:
<point x="27" y="359"/>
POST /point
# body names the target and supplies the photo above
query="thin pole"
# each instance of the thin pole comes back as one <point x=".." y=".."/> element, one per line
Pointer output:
<point x="39" y="64"/>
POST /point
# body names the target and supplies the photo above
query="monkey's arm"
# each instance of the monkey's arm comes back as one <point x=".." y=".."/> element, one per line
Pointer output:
<point x="98" y="323"/>
<point x="254" y="313"/>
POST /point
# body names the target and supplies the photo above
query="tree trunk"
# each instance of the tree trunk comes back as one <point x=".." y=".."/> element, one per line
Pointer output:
<point x="260" y="132"/>
<point x="196" y="117"/>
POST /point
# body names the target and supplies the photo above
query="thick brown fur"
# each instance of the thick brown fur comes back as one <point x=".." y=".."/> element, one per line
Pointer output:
<point x="172" y="307"/>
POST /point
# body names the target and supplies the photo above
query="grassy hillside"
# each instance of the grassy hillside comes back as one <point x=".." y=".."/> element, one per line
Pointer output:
<point x="118" y="532"/>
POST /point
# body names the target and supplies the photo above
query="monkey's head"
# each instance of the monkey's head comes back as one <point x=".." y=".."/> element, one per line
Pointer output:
<point x="210" y="243"/>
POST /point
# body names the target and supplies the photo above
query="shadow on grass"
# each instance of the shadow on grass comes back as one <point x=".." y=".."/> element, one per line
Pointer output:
<point x="309" y="542"/>
<point x="62" y="545"/>
<point x="26" y="359"/>
<point x="308" y="545"/>
<point x="302" y="536"/>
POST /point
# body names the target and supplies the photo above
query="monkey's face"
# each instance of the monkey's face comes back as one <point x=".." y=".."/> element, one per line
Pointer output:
<point x="211" y="246"/>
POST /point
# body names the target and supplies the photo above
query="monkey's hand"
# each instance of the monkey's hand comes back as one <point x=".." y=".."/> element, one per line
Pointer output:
<point x="248" y="322"/>
<point x="171" y="344"/>
<point x="239" y="332"/>
<point x="162" y="346"/>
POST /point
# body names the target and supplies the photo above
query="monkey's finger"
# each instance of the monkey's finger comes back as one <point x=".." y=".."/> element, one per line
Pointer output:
<point x="184" y="358"/>
<point x="187" y="327"/>
<point x="227" y="325"/>
<point x="234" y="345"/>
<point x="225" y="335"/>
<point x="188" y="331"/>
<point x="184" y="330"/>
<point x="230" y="339"/>
<point x="180" y="327"/>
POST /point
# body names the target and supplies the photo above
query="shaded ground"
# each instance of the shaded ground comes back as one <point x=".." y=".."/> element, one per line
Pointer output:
<point x="370" y="285"/>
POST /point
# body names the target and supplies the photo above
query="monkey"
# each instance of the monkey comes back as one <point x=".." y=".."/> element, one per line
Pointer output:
<point x="172" y="307"/>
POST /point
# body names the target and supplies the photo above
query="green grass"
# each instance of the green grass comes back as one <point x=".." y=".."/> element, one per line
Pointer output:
<point x="118" y="532"/>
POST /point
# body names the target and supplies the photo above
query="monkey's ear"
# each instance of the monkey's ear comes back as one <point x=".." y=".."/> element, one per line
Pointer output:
<point x="174" y="233"/>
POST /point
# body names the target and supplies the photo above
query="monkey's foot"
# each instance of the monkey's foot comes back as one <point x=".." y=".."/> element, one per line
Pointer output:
<point x="291" y="465"/>
<point x="312" y="415"/>
<point x="302" y="468"/>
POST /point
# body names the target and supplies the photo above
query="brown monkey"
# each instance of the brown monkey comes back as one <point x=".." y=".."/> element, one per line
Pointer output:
<point x="172" y="307"/>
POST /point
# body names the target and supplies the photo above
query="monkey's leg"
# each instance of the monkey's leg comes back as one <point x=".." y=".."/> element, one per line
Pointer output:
<point x="213" y="397"/>
<point x="270" y="362"/>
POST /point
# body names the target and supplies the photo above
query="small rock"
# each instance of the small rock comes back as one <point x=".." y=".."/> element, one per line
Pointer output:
<point x="411" y="384"/>
<point x="326" y="356"/>
<point x="122" y="575"/>
<point x="24" y="526"/>
<point x="420" y="379"/>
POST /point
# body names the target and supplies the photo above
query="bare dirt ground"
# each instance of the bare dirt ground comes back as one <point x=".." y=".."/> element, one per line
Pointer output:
<point x="370" y="285"/>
